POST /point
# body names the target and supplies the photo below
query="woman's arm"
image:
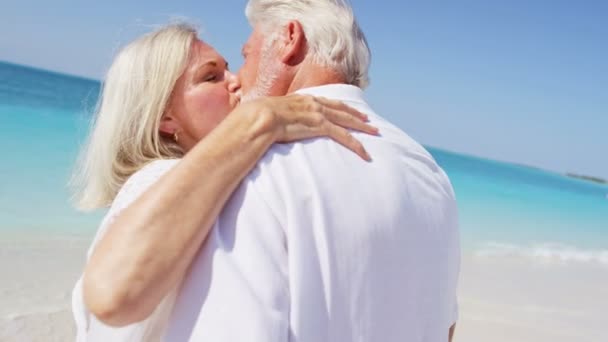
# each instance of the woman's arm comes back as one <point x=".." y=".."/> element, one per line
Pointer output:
<point x="146" y="251"/>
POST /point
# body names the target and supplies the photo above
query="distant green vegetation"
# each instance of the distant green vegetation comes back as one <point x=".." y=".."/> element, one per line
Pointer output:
<point x="588" y="178"/>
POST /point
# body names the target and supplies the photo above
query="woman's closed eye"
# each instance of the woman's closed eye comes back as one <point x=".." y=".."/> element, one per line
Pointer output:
<point x="211" y="72"/>
<point x="210" y="78"/>
<point x="214" y="76"/>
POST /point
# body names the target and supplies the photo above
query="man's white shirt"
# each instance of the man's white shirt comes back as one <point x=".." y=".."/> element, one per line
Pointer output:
<point x="319" y="245"/>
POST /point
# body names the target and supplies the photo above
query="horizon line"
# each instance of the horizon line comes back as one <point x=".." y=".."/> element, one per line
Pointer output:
<point x="564" y="173"/>
<point x="50" y="71"/>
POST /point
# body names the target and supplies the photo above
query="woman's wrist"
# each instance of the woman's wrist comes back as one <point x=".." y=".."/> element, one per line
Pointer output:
<point x="262" y="124"/>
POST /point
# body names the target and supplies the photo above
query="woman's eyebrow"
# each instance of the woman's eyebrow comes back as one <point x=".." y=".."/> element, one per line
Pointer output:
<point x="209" y="63"/>
<point x="212" y="63"/>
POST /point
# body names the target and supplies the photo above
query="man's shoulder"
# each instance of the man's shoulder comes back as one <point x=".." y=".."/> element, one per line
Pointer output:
<point x="393" y="145"/>
<point x="288" y="168"/>
<point x="294" y="169"/>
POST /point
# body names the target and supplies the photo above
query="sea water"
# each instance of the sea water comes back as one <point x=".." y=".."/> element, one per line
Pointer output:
<point x="505" y="209"/>
<point x="44" y="118"/>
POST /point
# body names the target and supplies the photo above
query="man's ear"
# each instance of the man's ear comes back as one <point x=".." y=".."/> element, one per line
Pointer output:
<point x="293" y="47"/>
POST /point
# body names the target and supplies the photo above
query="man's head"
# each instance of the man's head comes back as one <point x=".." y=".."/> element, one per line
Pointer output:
<point x="294" y="39"/>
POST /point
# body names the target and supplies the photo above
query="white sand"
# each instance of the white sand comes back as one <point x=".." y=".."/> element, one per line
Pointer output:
<point x="518" y="299"/>
<point x="501" y="299"/>
<point x="38" y="274"/>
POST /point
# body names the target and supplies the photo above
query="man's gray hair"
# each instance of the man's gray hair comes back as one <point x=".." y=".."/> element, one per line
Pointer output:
<point x="332" y="33"/>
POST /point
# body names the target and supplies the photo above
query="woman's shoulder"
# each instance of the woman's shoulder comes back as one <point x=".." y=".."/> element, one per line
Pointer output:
<point x="134" y="187"/>
<point x="152" y="171"/>
<point x="142" y="180"/>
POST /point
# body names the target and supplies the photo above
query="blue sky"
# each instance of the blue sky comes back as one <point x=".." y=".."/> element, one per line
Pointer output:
<point x="520" y="81"/>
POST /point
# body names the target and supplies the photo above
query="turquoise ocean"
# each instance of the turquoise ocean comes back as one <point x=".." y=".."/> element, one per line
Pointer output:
<point x="505" y="209"/>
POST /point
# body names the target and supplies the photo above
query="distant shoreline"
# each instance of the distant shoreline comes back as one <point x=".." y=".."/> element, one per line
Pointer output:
<point x="596" y="180"/>
<point x="52" y="72"/>
<point x="588" y="178"/>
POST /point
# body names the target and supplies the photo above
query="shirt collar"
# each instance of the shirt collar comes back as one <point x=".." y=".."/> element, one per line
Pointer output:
<point x="340" y="92"/>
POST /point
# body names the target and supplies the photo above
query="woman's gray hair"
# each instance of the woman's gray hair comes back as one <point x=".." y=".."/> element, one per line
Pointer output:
<point x="125" y="132"/>
<point x="333" y="35"/>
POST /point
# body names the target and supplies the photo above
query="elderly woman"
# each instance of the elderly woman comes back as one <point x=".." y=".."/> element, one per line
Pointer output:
<point x="169" y="145"/>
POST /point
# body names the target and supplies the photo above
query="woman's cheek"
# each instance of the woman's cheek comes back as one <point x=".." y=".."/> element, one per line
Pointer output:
<point x="217" y="102"/>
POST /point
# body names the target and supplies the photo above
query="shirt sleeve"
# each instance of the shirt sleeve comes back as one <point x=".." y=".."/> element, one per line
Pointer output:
<point x="134" y="187"/>
<point x="87" y="326"/>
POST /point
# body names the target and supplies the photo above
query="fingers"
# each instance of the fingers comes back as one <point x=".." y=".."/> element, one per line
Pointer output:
<point x="322" y="109"/>
<point x="341" y="114"/>
<point x="344" y="138"/>
<point x="346" y="120"/>
<point x="341" y="106"/>
<point x="338" y="118"/>
<point x="305" y="116"/>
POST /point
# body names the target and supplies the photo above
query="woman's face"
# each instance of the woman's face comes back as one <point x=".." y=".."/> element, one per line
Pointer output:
<point x="203" y="96"/>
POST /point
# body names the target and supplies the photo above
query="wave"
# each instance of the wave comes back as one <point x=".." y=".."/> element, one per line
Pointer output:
<point x="544" y="253"/>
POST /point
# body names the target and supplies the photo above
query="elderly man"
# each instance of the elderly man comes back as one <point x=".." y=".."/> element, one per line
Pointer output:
<point x="317" y="245"/>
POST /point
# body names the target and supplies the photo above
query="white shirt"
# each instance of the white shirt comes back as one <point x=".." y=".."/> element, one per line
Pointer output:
<point x="88" y="327"/>
<point x="317" y="245"/>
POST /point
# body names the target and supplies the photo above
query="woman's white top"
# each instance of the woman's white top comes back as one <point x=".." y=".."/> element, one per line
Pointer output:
<point x="88" y="327"/>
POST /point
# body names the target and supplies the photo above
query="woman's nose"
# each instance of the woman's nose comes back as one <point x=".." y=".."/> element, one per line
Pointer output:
<point x="234" y="84"/>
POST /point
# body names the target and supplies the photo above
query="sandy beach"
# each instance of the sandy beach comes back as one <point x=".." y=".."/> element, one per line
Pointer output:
<point x="38" y="273"/>
<point x="501" y="298"/>
<point x="510" y="299"/>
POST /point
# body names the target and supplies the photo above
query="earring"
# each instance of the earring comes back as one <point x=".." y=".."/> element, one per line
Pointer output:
<point x="175" y="137"/>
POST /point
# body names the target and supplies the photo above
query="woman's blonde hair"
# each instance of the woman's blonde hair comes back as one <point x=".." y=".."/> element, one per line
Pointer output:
<point x="125" y="132"/>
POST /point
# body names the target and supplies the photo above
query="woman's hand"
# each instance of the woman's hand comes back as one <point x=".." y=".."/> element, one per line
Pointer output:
<point x="298" y="117"/>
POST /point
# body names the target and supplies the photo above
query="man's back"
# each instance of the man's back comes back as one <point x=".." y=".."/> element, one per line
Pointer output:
<point x="318" y="245"/>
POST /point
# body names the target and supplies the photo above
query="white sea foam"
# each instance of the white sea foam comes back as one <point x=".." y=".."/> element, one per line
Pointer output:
<point x="545" y="253"/>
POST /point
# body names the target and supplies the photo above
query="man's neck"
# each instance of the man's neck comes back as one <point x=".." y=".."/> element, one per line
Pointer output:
<point x="313" y="75"/>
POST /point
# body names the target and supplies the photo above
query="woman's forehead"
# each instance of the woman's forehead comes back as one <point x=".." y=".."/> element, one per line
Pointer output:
<point x="203" y="51"/>
<point x="203" y="54"/>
